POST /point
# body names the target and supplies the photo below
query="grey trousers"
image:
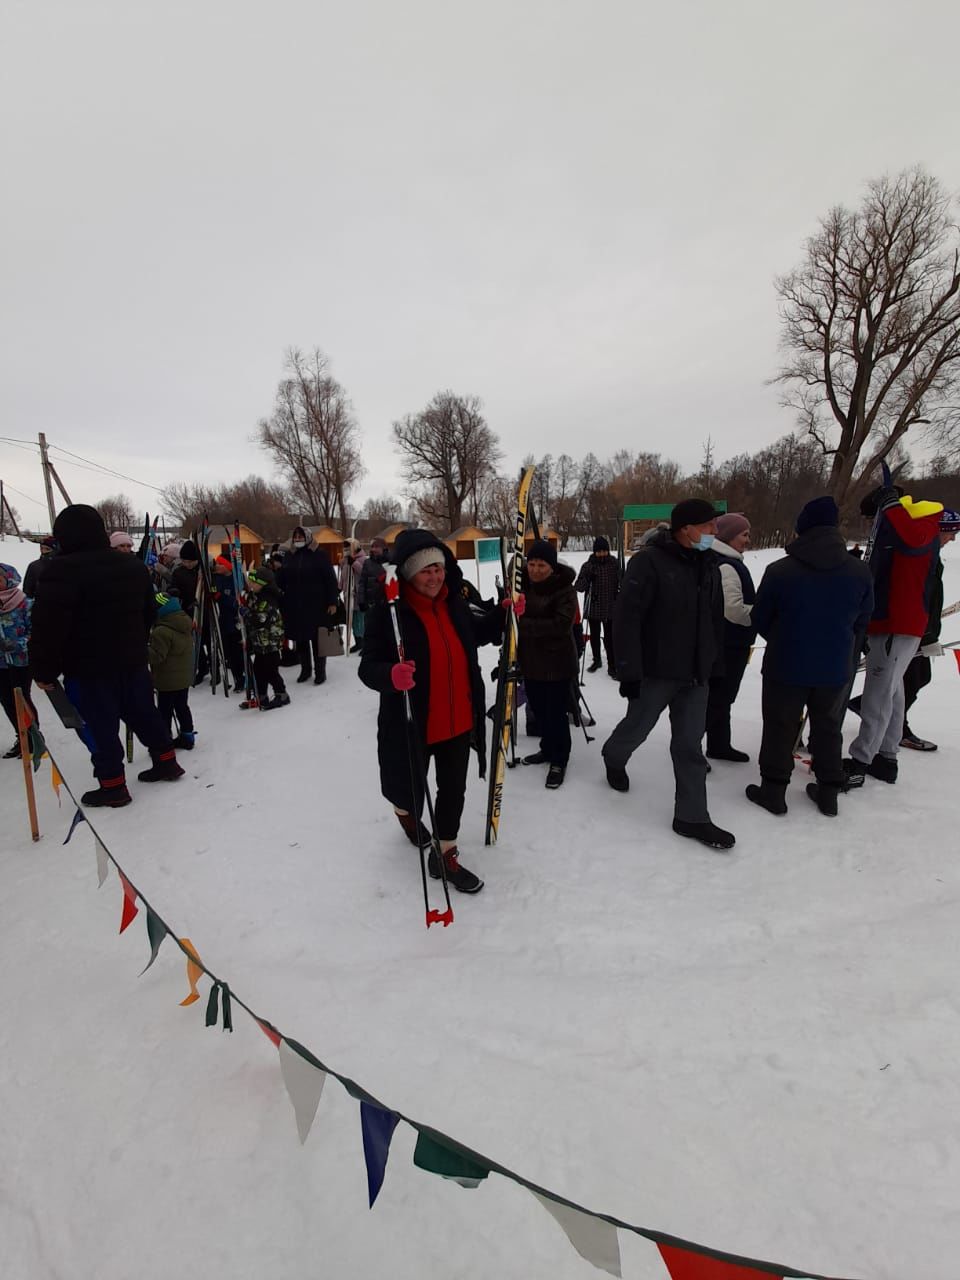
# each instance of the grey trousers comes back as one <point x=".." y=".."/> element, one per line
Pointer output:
<point x="688" y="717"/>
<point x="881" y="704"/>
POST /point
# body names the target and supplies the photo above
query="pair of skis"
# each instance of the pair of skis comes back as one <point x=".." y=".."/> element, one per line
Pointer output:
<point x="239" y="584"/>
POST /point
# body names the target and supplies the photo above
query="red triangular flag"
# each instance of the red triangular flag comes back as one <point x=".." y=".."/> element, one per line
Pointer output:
<point x="684" y="1265"/>
<point x="130" y="908"/>
<point x="956" y="654"/>
<point x="272" y="1035"/>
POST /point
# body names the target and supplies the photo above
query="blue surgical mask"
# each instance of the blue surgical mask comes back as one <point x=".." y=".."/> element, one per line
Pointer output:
<point x="706" y="542"/>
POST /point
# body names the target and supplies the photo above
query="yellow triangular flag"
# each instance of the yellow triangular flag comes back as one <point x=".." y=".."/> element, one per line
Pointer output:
<point x="194" y="972"/>
<point x="55" y="780"/>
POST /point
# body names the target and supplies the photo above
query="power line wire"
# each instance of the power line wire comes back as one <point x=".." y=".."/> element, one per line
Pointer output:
<point x="106" y="470"/>
<point x="21" y="494"/>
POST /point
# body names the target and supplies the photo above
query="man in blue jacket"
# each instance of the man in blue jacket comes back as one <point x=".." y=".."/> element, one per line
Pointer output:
<point x="812" y="607"/>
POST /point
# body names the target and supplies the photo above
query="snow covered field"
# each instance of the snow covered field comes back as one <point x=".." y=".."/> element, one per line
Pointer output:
<point x="755" y="1050"/>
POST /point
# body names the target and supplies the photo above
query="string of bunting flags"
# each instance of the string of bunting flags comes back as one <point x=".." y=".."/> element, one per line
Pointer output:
<point x="592" y="1234"/>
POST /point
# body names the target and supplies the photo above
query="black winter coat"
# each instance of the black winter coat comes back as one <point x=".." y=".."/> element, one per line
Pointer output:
<point x="813" y="607"/>
<point x="548" y="650"/>
<point x="380" y="654"/>
<point x="369" y="588"/>
<point x="668" y="623"/>
<point x="183" y="584"/>
<point x="32" y="575"/>
<point x="602" y="579"/>
<point x="309" y="587"/>
<point x="92" y="615"/>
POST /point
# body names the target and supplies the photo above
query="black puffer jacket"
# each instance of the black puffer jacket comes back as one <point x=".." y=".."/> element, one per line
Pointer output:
<point x="601" y="578"/>
<point x="309" y="587"/>
<point x="94" y="607"/>
<point x="668" y="623"/>
<point x="547" y="647"/>
<point x="380" y="654"/>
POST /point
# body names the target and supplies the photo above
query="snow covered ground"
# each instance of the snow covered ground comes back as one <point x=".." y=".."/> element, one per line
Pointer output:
<point x="756" y="1050"/>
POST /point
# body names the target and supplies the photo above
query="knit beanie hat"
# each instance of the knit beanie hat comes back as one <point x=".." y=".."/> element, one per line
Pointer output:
<point x="541" y="549"/>
<point x="188" y="550"/>
<point x="731" y="525"/>
<point x="223" y="562"/>
<point x="950" y="521"/>
<point x="121" y="539"/>
<point x="49" y="542"/>
<point x="378" y="544"/>
<point x="601" y="544"/>
<point x="170" y="550"/>
<point x="691" y="511"/>
<point x="819" y="511"/>
<point x="166" y="604"/>
<point x="422" y="559"/>
<point x="263" y="575"/>
<point x="80" y="528"/>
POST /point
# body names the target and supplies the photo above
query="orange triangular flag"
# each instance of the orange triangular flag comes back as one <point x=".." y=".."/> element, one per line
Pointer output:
<point x="55" y="780"/>
<point x="686" y="1265"/>
<point x="956" y="654"/>
<point x="130" y="908"/>
<point x="270" y="1032"/>
<point x="194" y="972"/>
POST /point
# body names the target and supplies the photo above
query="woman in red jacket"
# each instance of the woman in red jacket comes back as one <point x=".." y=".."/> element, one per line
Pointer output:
<point x="440" y="671"/>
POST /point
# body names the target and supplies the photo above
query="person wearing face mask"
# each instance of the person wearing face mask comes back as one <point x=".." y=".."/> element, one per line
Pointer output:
<point x="309" y="587"/>
<point x="667" y="638"/>
<point x="739" y="633"/>
<point x="441" y="673"/>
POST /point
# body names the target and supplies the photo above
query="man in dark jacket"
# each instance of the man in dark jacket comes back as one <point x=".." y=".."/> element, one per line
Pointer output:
<point x="599" y="578"/>
<point x="370" y="586"/>
<point x="35" y="568"/>
<point x="668" y="634"/>
<point x="309" y="587"/>
<point x="91" y="621"/>
<point x="813" y="607"/>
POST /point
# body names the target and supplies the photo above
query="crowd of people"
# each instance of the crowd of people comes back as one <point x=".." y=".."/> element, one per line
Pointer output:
<point x="676" y="629"/>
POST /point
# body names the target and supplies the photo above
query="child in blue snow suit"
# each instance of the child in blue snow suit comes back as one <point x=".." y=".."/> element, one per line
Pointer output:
<point x="14" y="641"/>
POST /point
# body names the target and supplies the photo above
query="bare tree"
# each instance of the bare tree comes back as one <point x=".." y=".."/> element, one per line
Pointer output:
<point x="384" y="510"/>
<point x="259" y="504"/>
<point x="448" y="452"/>
<point x="116" y="511"/>
<point x="871" y="325"/>
<point x="313" y="438"/>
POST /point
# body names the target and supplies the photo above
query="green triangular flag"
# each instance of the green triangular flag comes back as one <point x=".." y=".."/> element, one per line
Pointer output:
<point x="436" y="1157"/>
<point x="37" y="746"/>
<point x="156" y="933"/>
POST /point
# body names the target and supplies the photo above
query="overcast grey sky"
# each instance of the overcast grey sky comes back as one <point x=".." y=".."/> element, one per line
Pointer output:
<point x="572" y="210"/>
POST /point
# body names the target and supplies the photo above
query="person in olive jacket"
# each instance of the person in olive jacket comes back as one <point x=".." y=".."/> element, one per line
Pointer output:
<point x="308" y="586"/>
<point x="171" y="664"/>
<point x="548" y="654"/>
<point x="441" y="673"/>
<point x="668" y="637"/>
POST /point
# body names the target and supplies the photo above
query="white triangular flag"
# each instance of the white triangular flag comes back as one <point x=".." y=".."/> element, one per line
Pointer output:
<point x="103" y="864"/>
<point x="594" y="1239"/>
<point x="304" y="1085"/>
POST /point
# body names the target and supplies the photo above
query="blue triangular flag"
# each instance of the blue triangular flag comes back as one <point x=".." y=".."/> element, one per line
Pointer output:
<point x="378" y="1126"/>
<point x="78" y="817"/>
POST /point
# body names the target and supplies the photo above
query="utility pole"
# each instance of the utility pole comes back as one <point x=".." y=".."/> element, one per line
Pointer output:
<point x="49" y="470"/>
<point x="48" y="488"/>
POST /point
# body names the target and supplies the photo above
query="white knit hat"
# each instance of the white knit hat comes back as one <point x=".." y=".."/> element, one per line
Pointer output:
<point x="120" y="539"/>
<point x="421" y="560"/>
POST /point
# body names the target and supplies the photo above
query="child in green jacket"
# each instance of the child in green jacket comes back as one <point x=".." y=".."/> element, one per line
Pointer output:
<point x="171" y="664"/>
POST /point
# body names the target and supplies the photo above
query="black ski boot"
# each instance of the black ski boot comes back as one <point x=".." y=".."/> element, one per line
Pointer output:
<point x="911" y="740"/>
<point x="165" y="769"/>
<point x="854" y="773"/>
<point x="538" y="757"/>
<point x="883" y="768"/>
<point x="14" y="752"/>
<point x="769" y="795"/>
<point x="458" y="876"/>
<point x="112" y="793"/>
<point x="594" y="666"/>
<point x="415" y="831"/>
<point x="555" y="776"/>
<point x="727" y="753"/>
<point x="617" y="778"/>
<point x="713" y="837"/>
<point x="824" y="797"/>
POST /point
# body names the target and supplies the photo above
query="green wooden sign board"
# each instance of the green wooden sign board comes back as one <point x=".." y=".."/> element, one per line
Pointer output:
<point x="488" y="549"/>
<point x="659" y="510"/>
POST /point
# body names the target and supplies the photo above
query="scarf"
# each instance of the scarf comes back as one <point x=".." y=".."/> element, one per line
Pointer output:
<point x="11" y="598"/>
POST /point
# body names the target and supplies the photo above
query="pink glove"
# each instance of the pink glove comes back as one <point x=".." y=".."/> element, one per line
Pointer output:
<point x="519" y="606"/>
<point x="401" y="676"/>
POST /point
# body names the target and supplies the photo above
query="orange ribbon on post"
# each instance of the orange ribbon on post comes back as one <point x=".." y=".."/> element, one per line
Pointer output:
<point x="24" y="721"/>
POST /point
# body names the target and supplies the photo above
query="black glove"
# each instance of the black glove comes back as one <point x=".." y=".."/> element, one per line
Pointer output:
<point x="887" y="495"/>
<point x="630" y="689"/>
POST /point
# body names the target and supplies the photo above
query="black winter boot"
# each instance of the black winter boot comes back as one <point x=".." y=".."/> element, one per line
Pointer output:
<point x="538" y="757"/>
<point x="824" y="797"/>
<point x="458" y="876"/>
<point x="165" y="768"/>
<point x="555" y="776"/>
<point x="14" y="752"/>
<point x="617" y="778"/>
<point x="112" y="793"/>
<point x="713" y="837"/>
<point x="769" y="795"/>
<point x="883" y="768"/>
<point x="854" y="772"/>
<point x="727" y="753"/>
